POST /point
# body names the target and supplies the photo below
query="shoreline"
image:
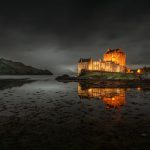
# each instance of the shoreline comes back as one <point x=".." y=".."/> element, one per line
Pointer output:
<point x="74" y="79"/>
<point x="106" y="83"/>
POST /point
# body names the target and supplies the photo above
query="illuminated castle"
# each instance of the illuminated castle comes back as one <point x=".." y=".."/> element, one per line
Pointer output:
<point x="113" y="61"/>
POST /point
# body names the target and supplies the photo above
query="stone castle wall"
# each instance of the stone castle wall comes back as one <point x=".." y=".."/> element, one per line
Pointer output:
<point x="100" y="66"/>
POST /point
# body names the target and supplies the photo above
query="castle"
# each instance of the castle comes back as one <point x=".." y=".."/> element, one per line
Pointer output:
<point x="114" y="60"/>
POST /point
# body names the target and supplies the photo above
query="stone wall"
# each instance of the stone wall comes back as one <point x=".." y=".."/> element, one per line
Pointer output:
<point x="100" y="66"/>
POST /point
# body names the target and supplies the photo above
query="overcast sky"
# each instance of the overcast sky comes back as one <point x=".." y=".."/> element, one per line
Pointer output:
<point x="55" y="35"/>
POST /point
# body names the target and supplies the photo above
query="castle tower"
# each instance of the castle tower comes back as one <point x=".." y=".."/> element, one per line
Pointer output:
<point x="117" y="56"/>
<point x="84" y="64"/>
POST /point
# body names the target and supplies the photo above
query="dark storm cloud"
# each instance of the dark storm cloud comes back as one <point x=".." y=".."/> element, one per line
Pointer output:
<point x="55" y="35"/>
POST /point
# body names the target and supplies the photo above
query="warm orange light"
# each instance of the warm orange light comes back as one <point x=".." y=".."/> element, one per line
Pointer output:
<point x="138" y="88"/>
<point x="90" y="67"/>
<point x="129" y="70"/>
<point x="139" y="71"/>
<point x="90" y="91"/>
<point x="113" y="59"/>
<point x="112" y="97"/>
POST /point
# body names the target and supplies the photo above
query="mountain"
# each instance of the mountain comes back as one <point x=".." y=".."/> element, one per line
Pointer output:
<point x="8" y="67"/>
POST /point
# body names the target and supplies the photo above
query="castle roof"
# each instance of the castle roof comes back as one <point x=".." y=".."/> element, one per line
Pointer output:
<point x="119" y="50"/>
<point x="84" y="60"/>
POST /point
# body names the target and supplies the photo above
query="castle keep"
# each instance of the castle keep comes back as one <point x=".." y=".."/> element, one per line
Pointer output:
<point x="113" y="61"/>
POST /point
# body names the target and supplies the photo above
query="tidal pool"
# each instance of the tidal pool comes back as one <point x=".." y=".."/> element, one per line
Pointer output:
<point x="46" y="114"/>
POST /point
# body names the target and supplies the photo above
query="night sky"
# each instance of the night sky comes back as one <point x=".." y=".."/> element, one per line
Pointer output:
<point x="55" y="35"/>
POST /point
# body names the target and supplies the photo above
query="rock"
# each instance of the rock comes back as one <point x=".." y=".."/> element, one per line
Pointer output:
<point x="65" y="77"/>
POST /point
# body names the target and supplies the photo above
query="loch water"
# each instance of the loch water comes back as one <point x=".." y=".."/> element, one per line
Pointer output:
<point x="47" y="114"/>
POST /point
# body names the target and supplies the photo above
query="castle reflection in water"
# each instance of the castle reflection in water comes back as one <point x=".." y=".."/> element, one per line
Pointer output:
<point x="111" y="97"/>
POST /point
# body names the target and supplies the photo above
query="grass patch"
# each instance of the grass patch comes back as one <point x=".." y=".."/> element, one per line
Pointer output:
<point x="108" y="75"/>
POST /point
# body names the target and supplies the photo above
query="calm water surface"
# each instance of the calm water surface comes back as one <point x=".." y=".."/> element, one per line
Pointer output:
<point x="46" y="114"/>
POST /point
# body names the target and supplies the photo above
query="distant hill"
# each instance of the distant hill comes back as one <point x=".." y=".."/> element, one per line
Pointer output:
<point x="8" y="67"/>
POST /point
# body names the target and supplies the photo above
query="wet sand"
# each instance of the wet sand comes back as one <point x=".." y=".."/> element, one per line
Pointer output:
<point x="47" y="114"/>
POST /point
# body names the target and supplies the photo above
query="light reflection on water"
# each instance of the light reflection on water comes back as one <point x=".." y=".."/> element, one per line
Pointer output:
<point x="125" y="100"/>
<point x="111" y="97"/>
